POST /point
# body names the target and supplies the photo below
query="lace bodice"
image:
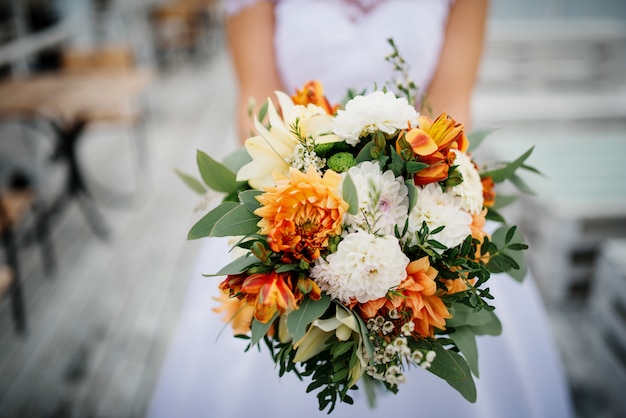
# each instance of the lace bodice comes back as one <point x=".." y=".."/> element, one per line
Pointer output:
<point x="343" y="43"/>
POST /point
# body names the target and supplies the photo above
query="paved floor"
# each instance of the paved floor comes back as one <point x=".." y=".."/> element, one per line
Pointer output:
<point x="100" y="327"/>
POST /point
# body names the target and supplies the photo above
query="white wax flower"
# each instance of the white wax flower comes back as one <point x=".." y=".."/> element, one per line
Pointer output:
<point x="437" y="208"/>
<point x="377" y="111"/>
<point x="383" y="200"/>
<point x="471" y="190"/>
<point x="364" y="267"/>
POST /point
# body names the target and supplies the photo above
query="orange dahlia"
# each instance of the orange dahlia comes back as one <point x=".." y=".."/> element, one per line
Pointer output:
<point x="417" y="294"/>
<point x="301" y="212"/>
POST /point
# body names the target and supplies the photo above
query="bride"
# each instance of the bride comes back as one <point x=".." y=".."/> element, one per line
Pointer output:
<point x="280" y="45"/>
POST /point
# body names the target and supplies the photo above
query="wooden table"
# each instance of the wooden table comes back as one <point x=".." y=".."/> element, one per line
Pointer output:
<point x="70" y="102"/>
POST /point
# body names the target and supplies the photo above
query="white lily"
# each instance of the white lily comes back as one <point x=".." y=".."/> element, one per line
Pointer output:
<point x="273" y="147"/>
<point x="345" y="326"/>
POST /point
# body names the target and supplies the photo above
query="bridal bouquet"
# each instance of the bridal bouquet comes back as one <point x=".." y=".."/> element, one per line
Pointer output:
<point x="360" y="241"/>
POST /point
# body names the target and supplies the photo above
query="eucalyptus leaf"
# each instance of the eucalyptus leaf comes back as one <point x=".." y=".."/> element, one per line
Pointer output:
<point x="239" y="265"/>
<point x="463" y="315"/>
<point x="493" y="327"/>
<point x="309" y="311"/>
<point x="466" y="387"/>
<point x="349" y="194"/>
<point x="498" y="175"/>
<point x="503" y="201"/>
<point x="193" y="183"/>
<point x="366" y="153"/>
<point x="476" y="137"/>
<point x="446" y="366"/>
<point x="238" y="221"/>
<point x="237" y="159"/>
<point x="248" y="199"/>
<point x="465" y="340"/>
<point x="521" y="184"/>
<point x="215" y="175"/>
<point x="258" y="329"/>
<point x="205" y="225"/>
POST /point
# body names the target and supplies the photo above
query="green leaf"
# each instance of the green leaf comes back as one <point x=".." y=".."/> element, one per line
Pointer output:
<point x="410" y="185"/>
<point x="499" y="237"/>
<point x="248" y="199"/>
<point x="454" y="361"/>
<point x="493" y="327"/>
<point x="239" y="265"/>
<point x="476" y="137"/>
<point x="500" y="174"/>
<point x="463" y="315"/>
<point x="308" y="312"/>
<point x="446" y="366"/>
<point x="258" y="329"/>
<point x="494" y="215"/>
<point x="237" y="221"/>
<point x="237" y="159"/>
<point x="503" y="201"/>
<point x="364" y="334"/>
<point x="205" y="225"/>
<point x="193" y="183"/>
<point x="366" y="153"/>
<point x="465" y="340"/>
<point x="521" y="184"/>
<point x="415" y="166"/>
<point x="215" y="175"/>
<point x="349" y="194"/>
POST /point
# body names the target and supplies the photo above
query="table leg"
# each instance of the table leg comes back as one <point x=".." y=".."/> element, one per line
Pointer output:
<point x="76" y="187"/>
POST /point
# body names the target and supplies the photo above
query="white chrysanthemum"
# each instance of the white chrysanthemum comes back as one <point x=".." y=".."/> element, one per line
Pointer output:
<point x="364" y="267"/>
<point x="437" y="208"/>
<point x="471" y="190"/>
<point x="383" y="200"/>
<point x="377" y="111"/>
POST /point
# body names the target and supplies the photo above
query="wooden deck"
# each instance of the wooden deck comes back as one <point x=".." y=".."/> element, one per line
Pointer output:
<point x="100" y="327"/>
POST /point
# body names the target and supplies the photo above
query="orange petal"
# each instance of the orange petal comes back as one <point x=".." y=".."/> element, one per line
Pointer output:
<point x="421" y="143"/>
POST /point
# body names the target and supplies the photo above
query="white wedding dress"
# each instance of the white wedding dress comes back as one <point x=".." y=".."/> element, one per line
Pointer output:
<point x="207" y="376"/>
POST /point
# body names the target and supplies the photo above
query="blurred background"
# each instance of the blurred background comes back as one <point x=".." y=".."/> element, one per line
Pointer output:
<point x="101" y="101"/>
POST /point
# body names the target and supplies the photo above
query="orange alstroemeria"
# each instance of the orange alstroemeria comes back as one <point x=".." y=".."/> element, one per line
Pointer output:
<point x="301" y="212"/>
<point x="444" y="131"/>
<point x="489" y="192"/>
<point x="272" y="294"/>
<point x="236" y="312"/>
<point x="313" y="93"/>
<point x="431" y="143"/>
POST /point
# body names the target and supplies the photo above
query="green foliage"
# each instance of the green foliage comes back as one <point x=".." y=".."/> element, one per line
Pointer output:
<point x="216" y="175"/>
<point x="508" y="257"/>
<point x="225" y="220"/>
<point x="349" y="194"/>
<point x="193" y="183"/>
<point x="309" y="311"/>
<point x="477" y="137"/>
